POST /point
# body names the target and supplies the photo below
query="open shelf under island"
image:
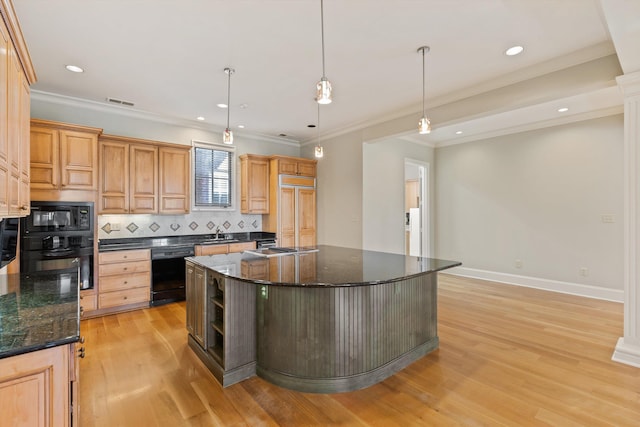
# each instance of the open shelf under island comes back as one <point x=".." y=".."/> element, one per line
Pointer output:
<point x="325" y="319"/>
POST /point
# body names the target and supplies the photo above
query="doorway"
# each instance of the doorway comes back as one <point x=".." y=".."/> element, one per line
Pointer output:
<point x="416" y="208"/>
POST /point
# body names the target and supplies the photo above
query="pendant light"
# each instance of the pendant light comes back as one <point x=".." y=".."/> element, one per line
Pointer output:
<point x="227" y="137"/>
<point x="424" y="125"/>
<point x="323" y="88"/>
<point x="318" y="151"/>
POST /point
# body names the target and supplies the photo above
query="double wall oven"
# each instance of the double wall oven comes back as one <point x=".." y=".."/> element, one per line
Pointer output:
<point x="58" y="235"/>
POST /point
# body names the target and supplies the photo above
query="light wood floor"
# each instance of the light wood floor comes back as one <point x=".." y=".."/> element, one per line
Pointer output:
<point x="508" y="356"/>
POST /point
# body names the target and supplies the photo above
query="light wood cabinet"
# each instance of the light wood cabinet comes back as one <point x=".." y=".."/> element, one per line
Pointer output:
<point x="128" y="177"/>
<point x="295" y="166"/>
<point x="174" y="180"/>
<point x="16" y="73"/>
<point x="292" y="211"/>
<point x="36" y="388"/>
<point x="254" y="184"/>
<point x="141" y="176"/>
<point x="64" y="161"/>
<point x="223" y="248"/>
<point x="124" y="279"/>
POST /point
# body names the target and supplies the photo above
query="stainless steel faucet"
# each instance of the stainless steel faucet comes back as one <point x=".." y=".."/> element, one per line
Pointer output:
<point x="217" y="232"/>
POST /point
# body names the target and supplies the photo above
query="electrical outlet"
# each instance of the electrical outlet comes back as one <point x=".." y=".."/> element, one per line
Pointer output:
<point x="608" y="218"/>
<point x="584" y="271"/>
<point x="518" y="263"/>
<point x="115" y="226"/>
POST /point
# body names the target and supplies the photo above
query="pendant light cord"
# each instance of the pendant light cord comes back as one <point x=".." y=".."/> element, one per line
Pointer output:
<point x="322" y="33"/>
<point x="229" y="96"/>
<point x="423" y="82"/>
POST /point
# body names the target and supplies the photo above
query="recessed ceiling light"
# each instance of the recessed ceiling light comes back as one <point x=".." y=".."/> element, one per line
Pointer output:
<point x="243" y="106"/>
<point x="241" y="126"/>
<point x="74" y="68"/>
<point x="282" y="134"/>
<point x="563" y="110"/>
<point x="200" y="118"/>
<point x="311" y="126"/>
<point x="459" y="132"/>
<point x="514" y="50"/>
<point x="222" y="105"/>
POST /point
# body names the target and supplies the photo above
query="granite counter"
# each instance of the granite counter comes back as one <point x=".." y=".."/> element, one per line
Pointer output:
<point x="38" y="311"/>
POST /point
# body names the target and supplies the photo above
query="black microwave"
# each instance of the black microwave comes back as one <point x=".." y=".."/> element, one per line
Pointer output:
<point x="59" y="216"/>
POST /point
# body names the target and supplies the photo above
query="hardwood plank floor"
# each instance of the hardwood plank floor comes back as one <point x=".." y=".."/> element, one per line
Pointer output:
<point x="508" y="356"/>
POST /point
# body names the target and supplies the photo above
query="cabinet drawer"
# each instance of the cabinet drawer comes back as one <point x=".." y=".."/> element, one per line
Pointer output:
<point x="212" y="249"/>
<point x="124" y="268"/>
<point x="125" y="281"/>
<point x="88" y="302"/>
<point x="130" y="296"/>
<point x="124" y="256"/>
<point x="241" y="246"/>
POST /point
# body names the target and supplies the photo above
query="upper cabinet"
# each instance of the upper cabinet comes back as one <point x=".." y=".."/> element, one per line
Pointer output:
<point x="295" y="166"/>
<point x="174" y="179"/>
<point x="64" y="161"/>
<point x="254" y="184"/>
<point x="16" y="74"/>
<point x="141" y="176"/>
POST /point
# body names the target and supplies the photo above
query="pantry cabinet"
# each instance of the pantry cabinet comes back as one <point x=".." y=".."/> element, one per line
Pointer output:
<point x="16" y="74"/>
<point x="292" y="204"/>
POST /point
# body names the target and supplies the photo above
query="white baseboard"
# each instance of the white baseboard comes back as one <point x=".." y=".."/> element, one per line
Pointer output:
<point x="627" y="354"/>
<point x="538" y="283"/>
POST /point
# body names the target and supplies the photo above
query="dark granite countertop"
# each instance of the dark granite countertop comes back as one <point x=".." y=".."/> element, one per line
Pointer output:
<point x="38" y="311"/>
<point x="105" y="245"/>
<point x="326" y="267"/>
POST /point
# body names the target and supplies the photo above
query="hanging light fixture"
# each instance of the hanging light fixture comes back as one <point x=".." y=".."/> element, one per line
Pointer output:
<point x="319" y="152"/>
<point x="323" y="88"/>
<point x="227" y="137"/>
<point x="424" y="125"/>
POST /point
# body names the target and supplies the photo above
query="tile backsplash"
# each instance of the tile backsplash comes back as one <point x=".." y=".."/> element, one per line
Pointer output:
<point x="201" y="222"/>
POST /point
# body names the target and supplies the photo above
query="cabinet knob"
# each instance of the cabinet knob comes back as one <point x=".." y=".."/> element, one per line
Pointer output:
<point x="81" y="353"/>
<point x="125" y="269"/>
<point x="125" y="297"/>
<point x="24" y="208"/>
<point x="82" y="340"/>
<point x="126" y="282"/>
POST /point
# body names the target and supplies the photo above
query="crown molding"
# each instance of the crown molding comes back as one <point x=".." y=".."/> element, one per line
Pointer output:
<point x="102" y="107"/>
<point x="15" y="33"/>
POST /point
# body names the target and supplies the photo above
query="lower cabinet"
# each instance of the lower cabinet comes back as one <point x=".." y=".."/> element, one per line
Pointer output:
<point x="221" y="322"/>
<point x="124" y="279"/>
<point x="40" y="388"/>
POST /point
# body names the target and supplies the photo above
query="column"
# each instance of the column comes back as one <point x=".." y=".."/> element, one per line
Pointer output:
<point x="628" y="347"/>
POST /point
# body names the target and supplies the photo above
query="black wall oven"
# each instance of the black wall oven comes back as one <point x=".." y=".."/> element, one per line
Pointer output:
<point x="58" y="235"/>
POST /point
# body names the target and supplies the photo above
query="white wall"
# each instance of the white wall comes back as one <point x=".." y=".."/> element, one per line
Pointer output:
<point x="537" y="197"/>
<point x="383" y="200"/>
<point x="339" y="194"/>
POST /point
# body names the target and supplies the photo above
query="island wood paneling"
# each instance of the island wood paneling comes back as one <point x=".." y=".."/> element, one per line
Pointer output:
<point x="330" y="339"/>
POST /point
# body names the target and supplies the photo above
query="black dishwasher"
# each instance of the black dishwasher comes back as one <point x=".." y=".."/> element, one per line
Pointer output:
<point x="167" y="273"/>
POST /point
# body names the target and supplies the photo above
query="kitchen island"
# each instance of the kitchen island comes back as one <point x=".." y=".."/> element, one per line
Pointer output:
<point x="324" y="319"/>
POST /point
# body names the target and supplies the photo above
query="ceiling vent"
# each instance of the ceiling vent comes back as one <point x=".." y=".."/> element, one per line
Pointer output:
<point x="121" y="102"/>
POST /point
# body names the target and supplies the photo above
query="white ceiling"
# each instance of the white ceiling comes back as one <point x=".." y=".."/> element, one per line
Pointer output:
<point x="168" y="57"/>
